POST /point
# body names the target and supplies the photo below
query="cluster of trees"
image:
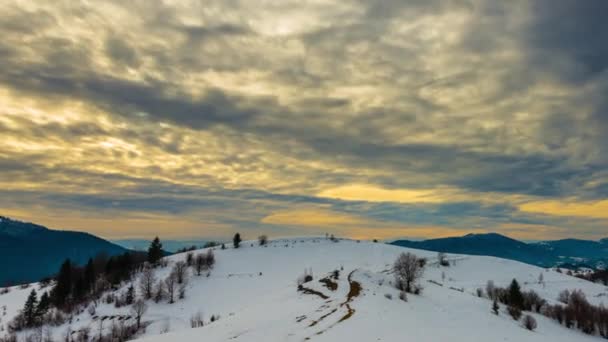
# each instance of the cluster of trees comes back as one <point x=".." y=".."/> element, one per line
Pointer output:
<point x="574" y="312"/>
<point x="514" y="297"/>
<point x="577" y="312"/>
<point x="174" y="285"/>
<point x="34" y="312"/>
<point x="408" y="268"/>
<point x="75" y="284"/>
<point x="597" y="276"/>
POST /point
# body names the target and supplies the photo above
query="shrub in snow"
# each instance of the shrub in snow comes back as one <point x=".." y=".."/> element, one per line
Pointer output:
<point x="403" y="296"/>
<point x="306" y="277"/>
<point x="529" y="322"/>
<point x="443" y="259"/>
<point x="197" y="320"/>
<point x="515" y="312"/>
<point x="564" y="296"/>
<point x="495" y="307"/>
<point x="388" y="296"/>
<point x="263" y="239"/>
<point x="408" y="268"/>
<point x="479" y="292"/>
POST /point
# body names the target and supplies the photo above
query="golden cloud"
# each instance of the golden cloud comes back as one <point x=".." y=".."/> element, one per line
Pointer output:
<point x="568" y="207"/>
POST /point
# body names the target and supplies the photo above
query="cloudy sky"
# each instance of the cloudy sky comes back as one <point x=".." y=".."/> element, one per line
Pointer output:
<point x="362" y="118"/>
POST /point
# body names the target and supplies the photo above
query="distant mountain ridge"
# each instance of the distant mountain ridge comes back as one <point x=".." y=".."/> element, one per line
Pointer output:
<point x="566" y="252"/>
<point x="29" y="252"/>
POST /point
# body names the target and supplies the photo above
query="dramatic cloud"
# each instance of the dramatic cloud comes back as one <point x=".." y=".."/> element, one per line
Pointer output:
<point x="363" y="118"/>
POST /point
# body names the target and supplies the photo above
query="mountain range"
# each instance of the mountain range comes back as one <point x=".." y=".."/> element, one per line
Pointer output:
<point x="567" y="253"/>
<point x="29" y="252"/>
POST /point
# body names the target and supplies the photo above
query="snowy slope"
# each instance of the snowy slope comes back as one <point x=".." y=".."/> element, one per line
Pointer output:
<point x="253" y="289"/>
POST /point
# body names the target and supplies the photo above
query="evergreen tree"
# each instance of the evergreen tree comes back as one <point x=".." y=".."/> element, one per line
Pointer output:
<point x="89" y="275"/>
<point x="130" y="295"/>
<point x="29" y="309"/>
<point x="43" y="305"/>
<point x="80" y="290"/>
<point x="236" y="240"/>
<point x="155" y="251"/>
<point x="516" y="298"/>
<point x="63" y="288"/>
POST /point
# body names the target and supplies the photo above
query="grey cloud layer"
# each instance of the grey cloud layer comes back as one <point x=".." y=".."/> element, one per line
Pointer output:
<point x="486" y="96"/>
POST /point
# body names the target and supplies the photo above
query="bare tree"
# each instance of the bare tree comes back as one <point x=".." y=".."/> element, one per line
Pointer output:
<point x="491" y="289"/>
<point x="138" y="309"/>
<point x="200" y="263"/>
<point x="146" y="282"/>
<point x="190" y="258"/>
<point x="160" y="292"/>
<point x="407" y="268"/>
<point x="210" y="259"/>
<point x="180" y="270"/>
<point x="170" y="286"/>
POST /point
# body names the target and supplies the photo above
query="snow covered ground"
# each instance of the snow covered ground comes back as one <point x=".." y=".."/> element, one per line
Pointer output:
<point x="254" y="291"/>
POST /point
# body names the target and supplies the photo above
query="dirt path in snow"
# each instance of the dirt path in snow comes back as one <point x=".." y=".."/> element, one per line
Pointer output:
<point x="353" y="292"/>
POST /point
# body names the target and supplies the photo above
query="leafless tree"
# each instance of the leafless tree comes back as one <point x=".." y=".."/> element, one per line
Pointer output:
<point x="159" y="294"/>
<point x="491" y="289"/>
<point x="200" y="263"/>
<point x="564" y="296"/>
<point x="170" y="286"/>
<point x="138" y="309"/>
<point x="210" y="259"/>
<point x="180" y="269"/>
<point x="407" y="268"/>
<point x="146" y="281"/>
<point x="189" y="258"/>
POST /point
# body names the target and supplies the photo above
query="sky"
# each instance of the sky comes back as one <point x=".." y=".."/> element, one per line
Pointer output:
<point x="359" y="118"/>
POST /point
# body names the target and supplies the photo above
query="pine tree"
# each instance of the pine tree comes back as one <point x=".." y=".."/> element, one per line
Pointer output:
<point x="89" y="275"/>
<point x="63" y="288"/>
<point x="516" y="298"/>
<point x="155" y="251"/>
<point x="80" y="288"/>
<point x="495" y="307"/>
<point x="43" y="305"/>
<point x="130" y="295"/>
<point x="29" y="309"/>
<point x="236" y="240"/>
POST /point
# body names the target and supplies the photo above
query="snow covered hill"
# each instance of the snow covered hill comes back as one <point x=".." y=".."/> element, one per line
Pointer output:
<point x="254" y="292"/>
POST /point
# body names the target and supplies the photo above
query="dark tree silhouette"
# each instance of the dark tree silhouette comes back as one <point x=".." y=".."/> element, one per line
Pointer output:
<point x="236" y="240"/>
<point x="155" y="251"/>
<point x="29" y="309"/>
<point x="495" y="307"/>
<point x="516" y="298"/>
<point x="62" y="289"/>
<point x="43" y="305"/>
<point x="130" y="295"/>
